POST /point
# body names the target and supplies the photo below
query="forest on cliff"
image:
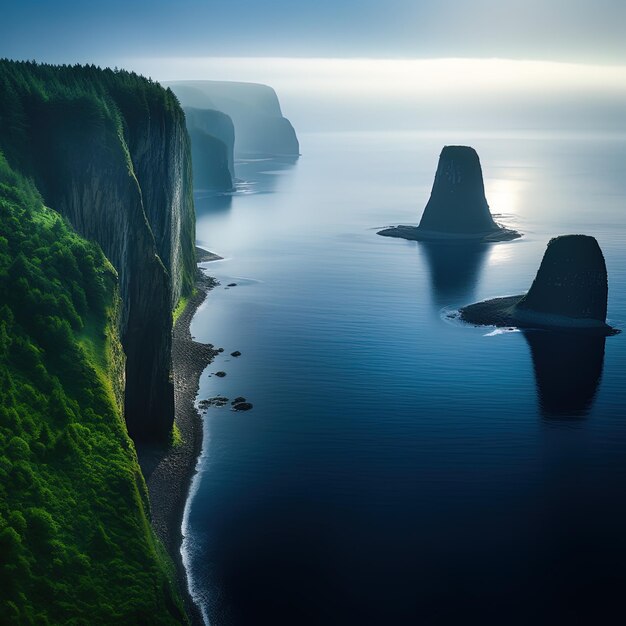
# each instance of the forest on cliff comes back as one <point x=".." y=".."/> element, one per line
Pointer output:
<point x="75" y="539"/>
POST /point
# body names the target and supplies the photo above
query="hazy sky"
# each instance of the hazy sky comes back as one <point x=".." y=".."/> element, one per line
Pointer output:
<point x="491" y="95"/>
<point x="103" y="32"/>
<point x="360" y="64"/>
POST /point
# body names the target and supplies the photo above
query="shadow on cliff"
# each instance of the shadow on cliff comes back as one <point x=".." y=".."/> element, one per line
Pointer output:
<point x="568" y="369"/>
<point x="454" y="270"/>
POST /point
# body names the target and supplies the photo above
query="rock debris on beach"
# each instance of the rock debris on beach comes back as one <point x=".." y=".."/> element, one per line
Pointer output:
<point x="217" y="401"/>
<point x="168" y="471"/>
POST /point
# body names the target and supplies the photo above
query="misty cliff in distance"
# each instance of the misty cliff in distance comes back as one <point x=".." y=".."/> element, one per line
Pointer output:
<point x="260" y="128"/>
<point x="212" y="136"/>
<point x="217" y="124"/>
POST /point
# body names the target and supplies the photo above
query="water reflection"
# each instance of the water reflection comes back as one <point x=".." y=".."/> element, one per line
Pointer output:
<point x="262" y="175"/>
<point x="454" y="270"/>
<point x="254" y="176"/>
<point x="212" y="202"/>
<point x="568" y="369"/>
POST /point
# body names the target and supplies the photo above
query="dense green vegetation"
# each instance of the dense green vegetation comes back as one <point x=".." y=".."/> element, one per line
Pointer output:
<point x="183" y="301"/>
<point x="46" y="111"/>
<point x="76" y="545"/>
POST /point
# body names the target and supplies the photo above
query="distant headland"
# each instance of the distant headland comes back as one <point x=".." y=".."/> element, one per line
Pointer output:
<point x="259" y="125"/>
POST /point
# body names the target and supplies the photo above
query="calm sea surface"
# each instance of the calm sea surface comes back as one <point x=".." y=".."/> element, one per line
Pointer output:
<point x="399" y="467"/>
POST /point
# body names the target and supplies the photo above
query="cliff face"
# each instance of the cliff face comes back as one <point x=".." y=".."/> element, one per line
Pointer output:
<point x="216" y="124"/>
<point x="212" y="137"/>
<point x="114" y="158"/>
<point x="74" y="512"/>
<point x="260" y="127"/>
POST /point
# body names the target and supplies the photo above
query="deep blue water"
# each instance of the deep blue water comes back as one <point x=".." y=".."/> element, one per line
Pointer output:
<point x="399" y="467"/>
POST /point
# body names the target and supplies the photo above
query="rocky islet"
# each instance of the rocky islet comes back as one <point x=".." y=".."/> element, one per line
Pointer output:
<point x="457" y="209"/>
<point x="569" y="292"/>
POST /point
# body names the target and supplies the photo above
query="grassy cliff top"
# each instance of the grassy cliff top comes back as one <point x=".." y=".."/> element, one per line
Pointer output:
<point x="117" y="95"/>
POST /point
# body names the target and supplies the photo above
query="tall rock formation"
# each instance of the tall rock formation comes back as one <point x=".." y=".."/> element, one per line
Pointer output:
<point x="457" y="208"/>
<point x="114" y="158"/>
<point x="571" y="281"/>
<point x="260" y="128"/>
<point x="570" y="292"/>
<point x="212" y="137"/>
<point x="457" y="201"/>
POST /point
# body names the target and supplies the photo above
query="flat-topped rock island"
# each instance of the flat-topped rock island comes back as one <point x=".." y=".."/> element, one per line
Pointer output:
<point x="457" y="209"/>
<point x="569" y="292"/>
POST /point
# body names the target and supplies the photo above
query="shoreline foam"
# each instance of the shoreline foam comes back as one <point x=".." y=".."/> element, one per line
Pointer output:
<point x="168" y="471"/>
<point x="504" y="312"/>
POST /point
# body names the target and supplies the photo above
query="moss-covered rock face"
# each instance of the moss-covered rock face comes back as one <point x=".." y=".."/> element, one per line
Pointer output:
<point x="75" y="542"/>
<point x="109" y="150"/>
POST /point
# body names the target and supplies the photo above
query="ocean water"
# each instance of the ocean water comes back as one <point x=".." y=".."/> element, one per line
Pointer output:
<point x="399" y="467"/>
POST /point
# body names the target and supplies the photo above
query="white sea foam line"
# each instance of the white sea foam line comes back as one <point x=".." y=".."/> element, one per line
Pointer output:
<point x="502" y="331"/>
<point x="186" y="544"/>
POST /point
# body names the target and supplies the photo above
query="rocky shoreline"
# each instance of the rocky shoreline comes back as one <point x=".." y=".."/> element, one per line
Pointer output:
<point x="168" y="471"/>
<point x="415" y="233"/>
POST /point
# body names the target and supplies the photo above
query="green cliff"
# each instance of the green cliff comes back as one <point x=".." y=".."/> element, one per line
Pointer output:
<point x="76" y="545"/>
<point x="109" y="151"/>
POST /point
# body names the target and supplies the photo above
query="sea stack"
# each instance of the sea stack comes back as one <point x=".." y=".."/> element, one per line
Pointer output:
<point x="457" y="208"/>
<point x="569" y="292"/>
